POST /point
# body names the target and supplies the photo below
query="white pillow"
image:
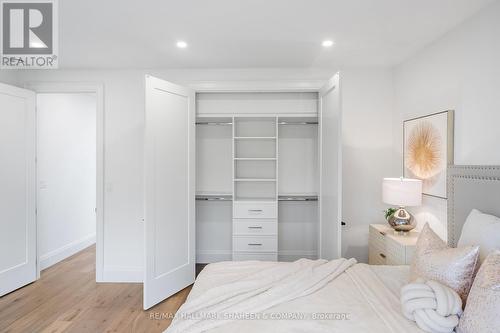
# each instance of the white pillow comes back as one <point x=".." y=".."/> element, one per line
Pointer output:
<point x="483" y="230"/>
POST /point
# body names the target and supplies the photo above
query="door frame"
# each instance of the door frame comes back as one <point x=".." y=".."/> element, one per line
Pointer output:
<point x="333" y="83"/>
<point x="316" y="86"/>
<point x="98" y="89"/>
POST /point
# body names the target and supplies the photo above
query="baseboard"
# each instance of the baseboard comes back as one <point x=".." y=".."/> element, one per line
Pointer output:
<point x="122" y="274"/>
<point x="65" y="251"/>
<point x="207" y="257"/>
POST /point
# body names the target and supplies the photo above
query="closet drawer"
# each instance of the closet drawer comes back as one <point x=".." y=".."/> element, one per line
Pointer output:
<point x="251" y="210"/>
<point x="242" y="256"/>
<point x="255" y="227"/>
<point x="255" y="244"/>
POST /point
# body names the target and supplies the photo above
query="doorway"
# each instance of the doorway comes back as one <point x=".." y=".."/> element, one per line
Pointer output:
<point x="68" y="182"/>
<point x="75" y="111"/>
<point x="66" y="174"/>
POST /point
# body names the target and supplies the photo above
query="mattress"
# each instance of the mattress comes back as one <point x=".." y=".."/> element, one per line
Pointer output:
<point x="393" y="277"/>
<point x="362" y="299"/>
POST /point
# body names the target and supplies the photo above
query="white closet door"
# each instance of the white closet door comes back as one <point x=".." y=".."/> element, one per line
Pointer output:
<point x="17" y="188"/>
<point x="330" y="170"/>
<point x="169" y="190"/>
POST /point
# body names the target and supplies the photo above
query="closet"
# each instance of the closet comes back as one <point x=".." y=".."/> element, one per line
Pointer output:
<point x="257" y="160"/>
<point x="249" y="172"/>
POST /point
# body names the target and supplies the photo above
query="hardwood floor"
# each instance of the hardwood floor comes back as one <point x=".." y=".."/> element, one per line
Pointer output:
<point x="67" y="299"/>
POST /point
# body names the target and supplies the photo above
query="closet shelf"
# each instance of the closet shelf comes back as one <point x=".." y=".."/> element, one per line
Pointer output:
<point x="214" y="123"/>
<point x="255" y="138"/>
<point x="298" y="123"/>
<point x="255" y="180"/>
<point x="297" y="198"/>
<point x="254" y="199"/>
<point x="255" y="158"/>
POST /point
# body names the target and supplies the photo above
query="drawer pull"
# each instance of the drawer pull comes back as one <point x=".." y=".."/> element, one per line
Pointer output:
<point x="254" y="244"/>
<point x="255" y="210"/>
<point x="382" y="255"/>
<point x="254" y="227"/>
<point x="382" y="233"/>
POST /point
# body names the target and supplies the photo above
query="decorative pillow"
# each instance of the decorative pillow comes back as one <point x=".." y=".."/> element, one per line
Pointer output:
<point x="453" y="267"/>
<point x="433" y="306"/>
<point x="482" y="312"/>
<point x="483" y="230"/>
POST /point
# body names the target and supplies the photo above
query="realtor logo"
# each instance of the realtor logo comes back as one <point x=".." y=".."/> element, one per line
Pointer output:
<point x="29" y="34"/>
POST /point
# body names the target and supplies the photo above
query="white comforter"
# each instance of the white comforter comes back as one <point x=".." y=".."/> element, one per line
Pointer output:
<point x="304" y="296"/>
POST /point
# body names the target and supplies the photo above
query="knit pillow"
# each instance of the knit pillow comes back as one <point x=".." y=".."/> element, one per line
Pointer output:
<point x="433" y="306"/>
<point x="453" y="267"/>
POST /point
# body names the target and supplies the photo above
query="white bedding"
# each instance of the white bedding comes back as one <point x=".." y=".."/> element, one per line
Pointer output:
<point x="360" y="299"/>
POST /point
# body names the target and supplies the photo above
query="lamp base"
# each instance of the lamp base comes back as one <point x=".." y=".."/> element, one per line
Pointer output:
<point x="402" y="220"/>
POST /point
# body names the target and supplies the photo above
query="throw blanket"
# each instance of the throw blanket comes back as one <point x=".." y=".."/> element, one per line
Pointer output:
<point x="262" y="290"/>
<point x="433" y="306"/>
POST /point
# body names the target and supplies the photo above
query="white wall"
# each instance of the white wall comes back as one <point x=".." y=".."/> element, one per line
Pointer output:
<point x="367" y="101"/>
<point x="66" y="174"/>
<point x="123" y="171"/>
<point x="367" y="106"/>
<point x="9" y="77"/>
<point x="460" y="71"/>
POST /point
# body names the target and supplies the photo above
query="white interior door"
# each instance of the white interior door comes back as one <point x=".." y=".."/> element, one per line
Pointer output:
<point x="330" y="170"/>
<point x="17" y="188"/>
<point x="169" y="190"/>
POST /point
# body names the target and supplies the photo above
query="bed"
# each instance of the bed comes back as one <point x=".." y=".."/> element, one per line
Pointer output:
<point x="340" y="296"/>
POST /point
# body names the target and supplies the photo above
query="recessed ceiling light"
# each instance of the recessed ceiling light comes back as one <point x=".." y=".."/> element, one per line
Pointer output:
<point x="181" y="44"/>
<point x="327" y="43"/>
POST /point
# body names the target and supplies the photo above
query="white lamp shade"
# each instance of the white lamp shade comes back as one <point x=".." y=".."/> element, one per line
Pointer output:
<point x="402" y="192"/>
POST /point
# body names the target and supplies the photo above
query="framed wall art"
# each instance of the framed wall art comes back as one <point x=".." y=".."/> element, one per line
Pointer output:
<point x="428" y="150"/>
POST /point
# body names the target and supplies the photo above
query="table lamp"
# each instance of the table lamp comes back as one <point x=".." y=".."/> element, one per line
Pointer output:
<point x="402" y="192"/>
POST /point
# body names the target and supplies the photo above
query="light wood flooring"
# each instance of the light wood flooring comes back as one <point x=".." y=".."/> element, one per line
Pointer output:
<point x="67" y="299"/>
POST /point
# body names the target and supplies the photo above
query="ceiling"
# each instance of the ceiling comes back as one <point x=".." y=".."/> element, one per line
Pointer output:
<point x="251" y="33"/>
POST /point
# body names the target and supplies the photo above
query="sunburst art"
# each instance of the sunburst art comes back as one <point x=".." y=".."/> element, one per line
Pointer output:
<point x="428" y="150"/>
<point x="423" y="151"/>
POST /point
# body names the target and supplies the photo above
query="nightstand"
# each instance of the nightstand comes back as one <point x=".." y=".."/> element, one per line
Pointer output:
<point x="387" y="247"/>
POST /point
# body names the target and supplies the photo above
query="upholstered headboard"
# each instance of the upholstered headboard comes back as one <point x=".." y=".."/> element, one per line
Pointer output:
<point x="469" y="187"/>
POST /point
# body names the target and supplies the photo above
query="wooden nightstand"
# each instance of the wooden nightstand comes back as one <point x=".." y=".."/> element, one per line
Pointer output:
<point x="387" y="247"/>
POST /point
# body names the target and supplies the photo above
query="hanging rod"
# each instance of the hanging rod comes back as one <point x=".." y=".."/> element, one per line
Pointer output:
<point x="214" y="197"/>
<point x="298" y="123"/>
<point x="297" y="198"/>
<point x="213" y="123"/>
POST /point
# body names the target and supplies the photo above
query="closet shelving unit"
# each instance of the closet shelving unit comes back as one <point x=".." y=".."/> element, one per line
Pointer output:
<point x="255" y="187"/>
